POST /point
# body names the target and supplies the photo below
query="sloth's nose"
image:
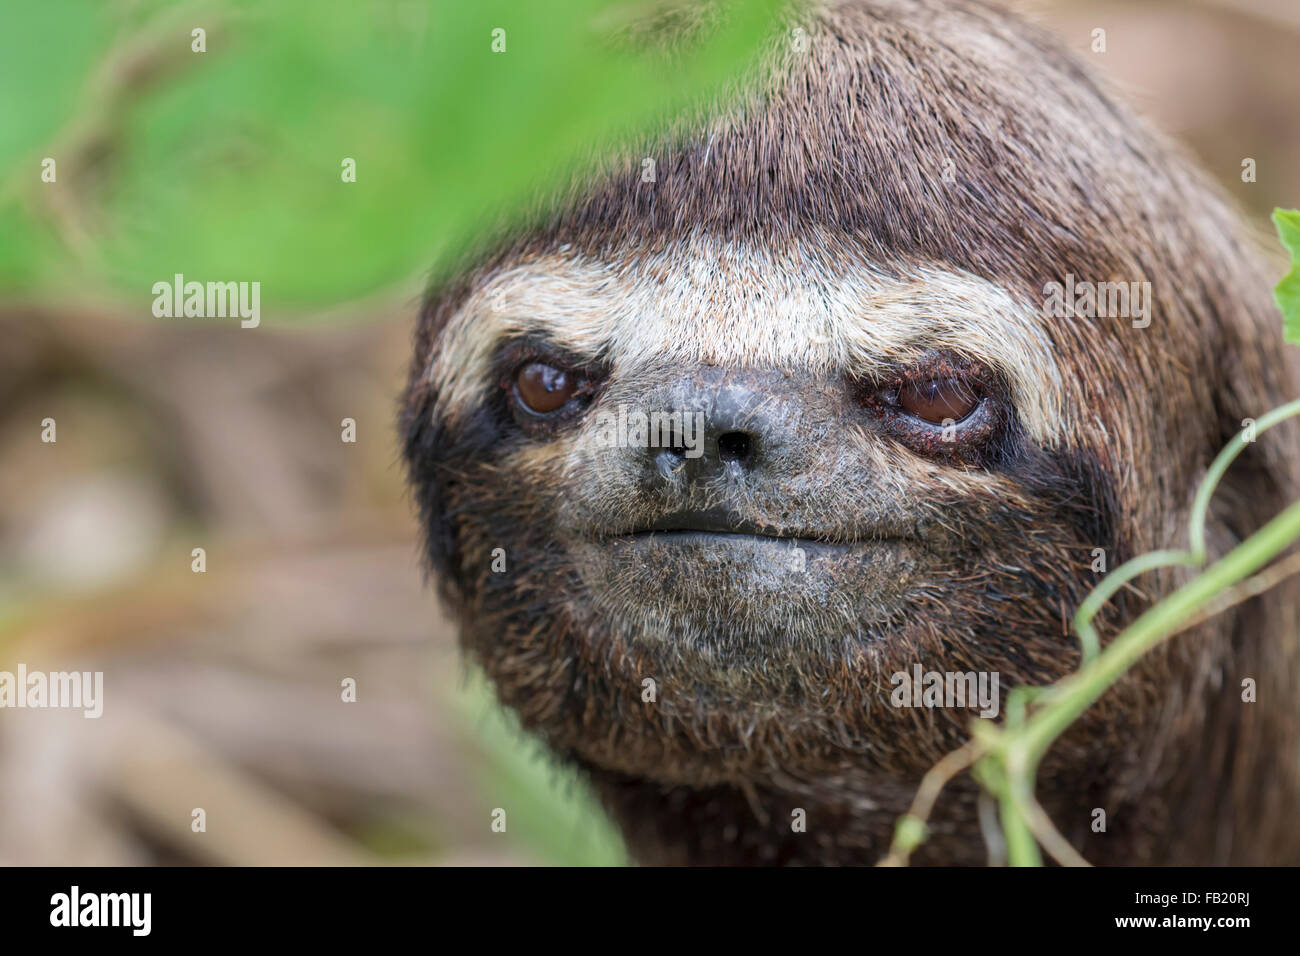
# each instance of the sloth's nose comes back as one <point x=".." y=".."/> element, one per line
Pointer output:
<point x="728" y="428"/>
<point x="712" y="454"/>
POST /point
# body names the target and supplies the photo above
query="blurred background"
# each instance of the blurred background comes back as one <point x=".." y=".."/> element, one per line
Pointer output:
<point x="223" y="689"/>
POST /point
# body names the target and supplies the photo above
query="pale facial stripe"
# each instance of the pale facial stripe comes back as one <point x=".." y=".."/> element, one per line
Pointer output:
<point x="740" y="305"/>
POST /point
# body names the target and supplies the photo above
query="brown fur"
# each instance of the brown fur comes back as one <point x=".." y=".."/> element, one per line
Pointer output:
<point x="844" y="149"/>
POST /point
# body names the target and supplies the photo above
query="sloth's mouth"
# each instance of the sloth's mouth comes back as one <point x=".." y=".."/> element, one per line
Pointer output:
<point x="720" y="540"/>
<point x="721" y="522"/>
<point x="721" y="526"/>
<point x="712" y="578"/>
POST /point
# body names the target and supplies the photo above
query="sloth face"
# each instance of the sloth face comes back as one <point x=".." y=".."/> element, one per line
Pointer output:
<point x="704" y="463"/>
<point x="760" y="489"/>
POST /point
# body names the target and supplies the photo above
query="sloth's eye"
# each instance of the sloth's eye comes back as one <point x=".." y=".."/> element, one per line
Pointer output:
<point x="943" y="407"/>
<point x="544" y="388"/>
<point x="938" y="399"/>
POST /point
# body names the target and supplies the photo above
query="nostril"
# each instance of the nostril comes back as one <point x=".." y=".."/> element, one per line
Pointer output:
<point x="670" y="461"/>
<point x="735" y="446"/>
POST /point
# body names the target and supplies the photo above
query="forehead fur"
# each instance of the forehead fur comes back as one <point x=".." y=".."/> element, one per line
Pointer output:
<point x="928" y="130"/>
<point x="730" y="303"/>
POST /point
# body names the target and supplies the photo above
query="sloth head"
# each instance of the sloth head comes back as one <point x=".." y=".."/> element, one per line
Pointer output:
<point x="794" y="417"/>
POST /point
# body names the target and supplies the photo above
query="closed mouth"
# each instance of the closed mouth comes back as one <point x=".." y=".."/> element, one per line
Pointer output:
<point x="719" y="526"/>
<point x="720" y="522"/>
<point x="726" y="541"/>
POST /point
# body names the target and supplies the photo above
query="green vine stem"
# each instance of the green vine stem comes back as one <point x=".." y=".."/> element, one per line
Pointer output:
<point x="1195" y="556"/>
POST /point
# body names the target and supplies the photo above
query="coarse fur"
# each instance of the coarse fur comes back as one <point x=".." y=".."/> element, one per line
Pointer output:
<point x="900" y="191"/>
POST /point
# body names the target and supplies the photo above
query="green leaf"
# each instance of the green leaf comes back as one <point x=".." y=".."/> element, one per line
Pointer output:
<point x="226" y="165"/>
<point x="1287" y="292"/>
<point x="47" y="51"/>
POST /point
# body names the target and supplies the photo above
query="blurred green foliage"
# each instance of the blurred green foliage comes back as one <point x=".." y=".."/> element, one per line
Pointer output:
<point x="226" y="165"/>
<point x="551" y="815"/>
<point x="1287" y="292"/>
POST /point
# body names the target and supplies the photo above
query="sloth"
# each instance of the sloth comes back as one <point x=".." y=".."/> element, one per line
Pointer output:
<point x="905" y="463"/>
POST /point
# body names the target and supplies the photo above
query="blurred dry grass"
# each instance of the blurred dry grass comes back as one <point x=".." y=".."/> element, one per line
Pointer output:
<point x="223" y="688"/>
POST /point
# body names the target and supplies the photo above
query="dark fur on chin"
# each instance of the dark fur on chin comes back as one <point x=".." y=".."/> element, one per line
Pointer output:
<point x="1052" y="178"/>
